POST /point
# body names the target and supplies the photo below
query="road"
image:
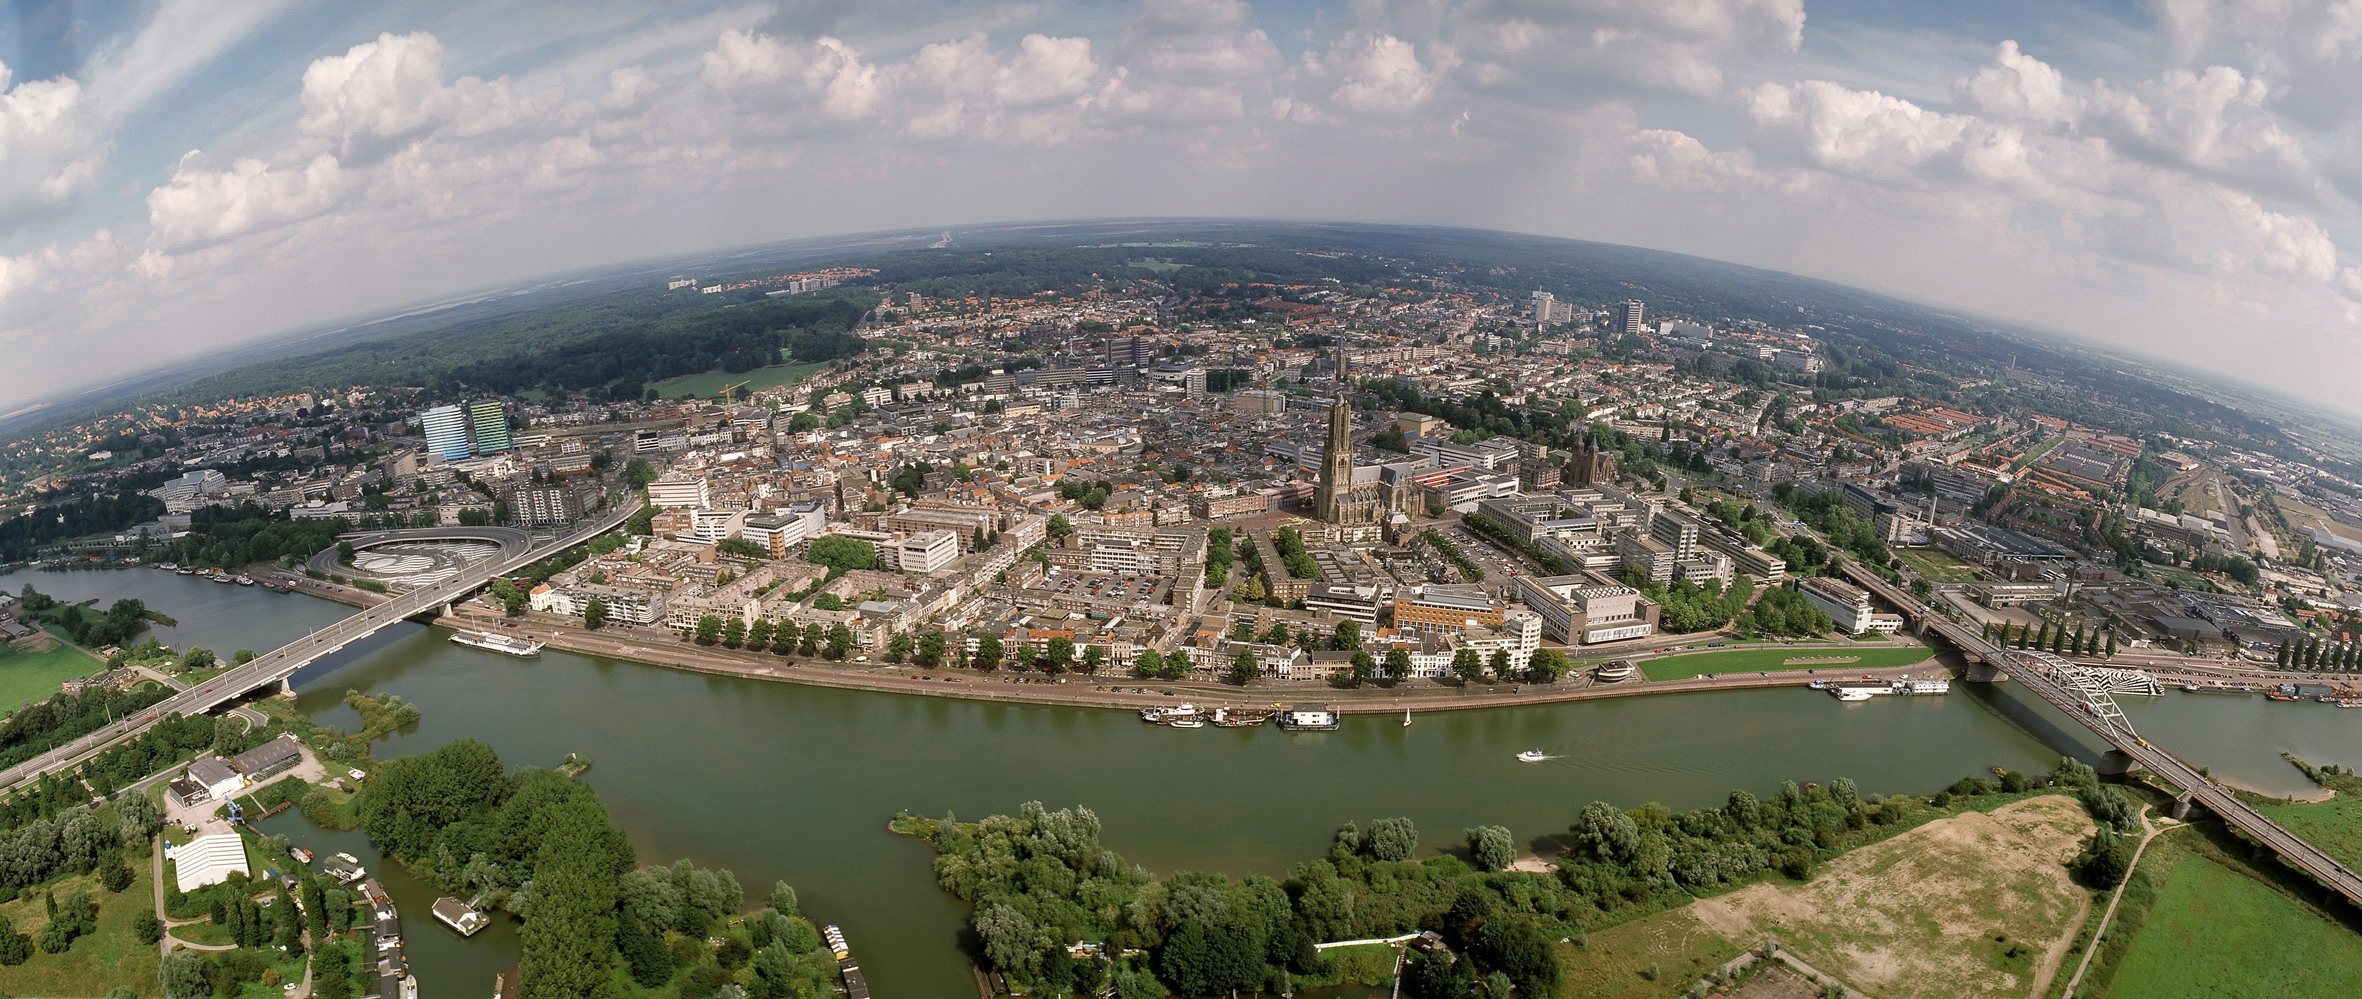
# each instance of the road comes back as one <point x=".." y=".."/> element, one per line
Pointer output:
<point x="2031" y="673"/>
<point x="283" y="662"/>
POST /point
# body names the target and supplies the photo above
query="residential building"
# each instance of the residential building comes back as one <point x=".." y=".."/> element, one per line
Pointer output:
<point x="541" y="506"/>
<point x="675" y="491"/>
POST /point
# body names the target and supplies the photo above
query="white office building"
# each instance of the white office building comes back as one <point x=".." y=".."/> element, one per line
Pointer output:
<point x="927" y="551"/>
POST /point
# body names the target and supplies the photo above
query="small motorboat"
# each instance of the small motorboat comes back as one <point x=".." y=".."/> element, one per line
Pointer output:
<point x="1532" y="756"/>
<point x="1185" y="722"/>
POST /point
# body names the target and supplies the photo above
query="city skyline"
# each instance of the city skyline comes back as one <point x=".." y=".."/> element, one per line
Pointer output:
<point x="2163" y="179"/>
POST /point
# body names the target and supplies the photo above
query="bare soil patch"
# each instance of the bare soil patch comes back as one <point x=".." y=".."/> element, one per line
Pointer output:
<point x="1974" y="905"/>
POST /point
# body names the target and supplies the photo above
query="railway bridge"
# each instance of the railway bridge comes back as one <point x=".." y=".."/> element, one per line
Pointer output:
<point x="278" y="665"/>
<point x="2058" y="681"/>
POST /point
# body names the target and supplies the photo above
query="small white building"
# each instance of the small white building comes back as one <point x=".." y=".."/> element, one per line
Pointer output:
<point x="215" y="774"/>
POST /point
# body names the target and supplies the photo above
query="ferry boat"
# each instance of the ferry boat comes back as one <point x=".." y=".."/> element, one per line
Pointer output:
<point x="1610" y="672"/>
<point x="1309" y="718"/>
<point x="498" y="643"/>
<point x="1532" y="756"/>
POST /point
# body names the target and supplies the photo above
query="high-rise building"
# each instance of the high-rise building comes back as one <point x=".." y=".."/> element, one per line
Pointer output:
<point x="488" y="422"/>
<point x="446" y="432"/>
<point x="1628" y="316"/>
<point x="1544" y="303"/>
<point x="1129" y="351"/>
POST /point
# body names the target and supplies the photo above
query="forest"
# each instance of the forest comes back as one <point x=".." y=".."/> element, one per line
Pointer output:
<point x="541" y="844"/>
<point x="1042" y="881"/>
<point x="22" y="537"/>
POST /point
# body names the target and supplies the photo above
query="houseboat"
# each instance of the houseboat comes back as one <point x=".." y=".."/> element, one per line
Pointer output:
<point x="464" y="919"/>
<point x="504" y="644"/>
<point x="1168" y="715"/>
<point x="1309" y="718"/>
<point x="1237" y="718"/>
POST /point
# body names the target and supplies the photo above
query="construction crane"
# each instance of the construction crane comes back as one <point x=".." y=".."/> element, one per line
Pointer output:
<point x="730" y="390"/>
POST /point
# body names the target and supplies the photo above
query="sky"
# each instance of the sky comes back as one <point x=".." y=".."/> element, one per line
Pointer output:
<point x="2179" y="178"/>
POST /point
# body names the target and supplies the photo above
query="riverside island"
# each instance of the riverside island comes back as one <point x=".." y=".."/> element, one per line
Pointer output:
<point x="1099" y="529"/>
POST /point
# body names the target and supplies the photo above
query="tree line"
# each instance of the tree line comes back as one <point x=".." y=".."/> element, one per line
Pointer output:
<point x="542" y="845"/>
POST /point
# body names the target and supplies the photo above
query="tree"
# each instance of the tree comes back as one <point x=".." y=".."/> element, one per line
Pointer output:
<point x="197" y="658"/>
<point x="1491" y="847"/>
<point x="988" y="652"/>
<point x="1499" y="663"/>
<point x="1150" y="663"/>
<point x="183" y="976"/>
<point x="931" y="645"/>
<point x="760" y="633"/>
<point x="1466" y="665"/>
<point x="651" y="962"/>
<point x="1178" y="665"/>
<point x="1348" y="636"/>
<point x="1363" y="668"/>
<point x="1060" y="655"/>
<point x="898" y="646"/>
<point x="841" y="554"/>
<point x="1392" y="839"/>
<point x="15" y="948"/>
<point x="1094" y="659"/>
<point x="594" y="614"/>
<point x="1243" y="668"/>
<point x="814" y="634"/>
<point x="734" y="632"/>
<point x="840" y="642"/>
<point x="1398" y="666"/>
<point x="146" y="926"/>
<point x="709" y="630"/>
<point x="1059" y="527"/>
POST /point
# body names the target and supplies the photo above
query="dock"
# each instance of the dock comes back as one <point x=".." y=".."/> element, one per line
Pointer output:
<point x="855" y="986"/>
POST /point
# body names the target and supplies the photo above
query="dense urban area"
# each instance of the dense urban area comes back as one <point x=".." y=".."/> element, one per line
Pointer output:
<point x="1299" y="478"/>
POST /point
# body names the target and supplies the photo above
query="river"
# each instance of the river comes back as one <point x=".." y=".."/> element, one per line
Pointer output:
<point x="781" y="781"/>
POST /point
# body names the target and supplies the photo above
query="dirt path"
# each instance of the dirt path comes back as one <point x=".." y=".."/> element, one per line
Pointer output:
<point x="1972" y="905"/>
<point x="2148" y="832"/>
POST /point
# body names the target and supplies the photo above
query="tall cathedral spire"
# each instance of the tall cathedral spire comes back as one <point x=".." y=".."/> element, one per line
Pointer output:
<point x="1336" y="460"/>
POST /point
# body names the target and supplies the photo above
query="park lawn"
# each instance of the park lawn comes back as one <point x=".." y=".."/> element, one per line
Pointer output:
<point x="105" y="958"/>
<point x="2217" y="932"/>
<point x="710" y="383"/>
<point x="26" y="677"/>
<point x="1682" y="667"/>
<point x="1613" y="963"/>
<point x="2334" y="825"/>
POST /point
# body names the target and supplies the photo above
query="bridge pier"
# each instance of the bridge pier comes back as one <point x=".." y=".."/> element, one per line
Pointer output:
<point x="287" y="686"/>
<point x="2115" y="762"/>
<point x="2184" y="805"/>
<point x="1986" y="672"/>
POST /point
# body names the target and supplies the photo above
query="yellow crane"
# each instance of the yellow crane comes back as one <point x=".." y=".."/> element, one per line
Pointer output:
<point x="730" y="390"/>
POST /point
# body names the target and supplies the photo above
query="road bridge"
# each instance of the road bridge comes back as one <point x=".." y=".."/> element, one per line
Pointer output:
<point x="2052" y="679"/>
<point x="283" y="662"/>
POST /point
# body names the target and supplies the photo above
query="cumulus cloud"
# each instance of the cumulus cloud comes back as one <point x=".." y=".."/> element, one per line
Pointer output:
<point x="2214" y="182"/>
<point x="51" y="148"/>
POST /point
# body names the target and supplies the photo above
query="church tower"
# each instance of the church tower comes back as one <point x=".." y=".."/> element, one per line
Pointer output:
<point x="1336" y="460"/>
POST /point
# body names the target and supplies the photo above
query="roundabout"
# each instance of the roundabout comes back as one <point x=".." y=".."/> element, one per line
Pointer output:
<point x="423" y="556"/>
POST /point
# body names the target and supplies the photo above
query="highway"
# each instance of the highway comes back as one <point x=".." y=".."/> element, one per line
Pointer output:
<point x="284" y="661"/>
<point x="2033" y="674"/>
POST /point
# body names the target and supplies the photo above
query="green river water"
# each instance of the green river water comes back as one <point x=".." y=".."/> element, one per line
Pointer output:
<point x="778" y="781"/>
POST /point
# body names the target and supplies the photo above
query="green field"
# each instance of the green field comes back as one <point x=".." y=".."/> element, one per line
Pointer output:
<point x="1613" y="963"/>
<point x="710" y="384"/>
<point x="2334" y="825"/>
<point x="2217" y="932"/>
<point x="1938" y="565"/>
<point x="1753" y="660"/>
<point x="108" y="957"/>
<point x="32" y="676"/>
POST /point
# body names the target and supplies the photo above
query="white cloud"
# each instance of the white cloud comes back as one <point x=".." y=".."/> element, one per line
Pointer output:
<point x="2016" y="85"/>
<point x="51" y="149"/>
<point x="199" y="207"/>
<point x="1379" y="73"/>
